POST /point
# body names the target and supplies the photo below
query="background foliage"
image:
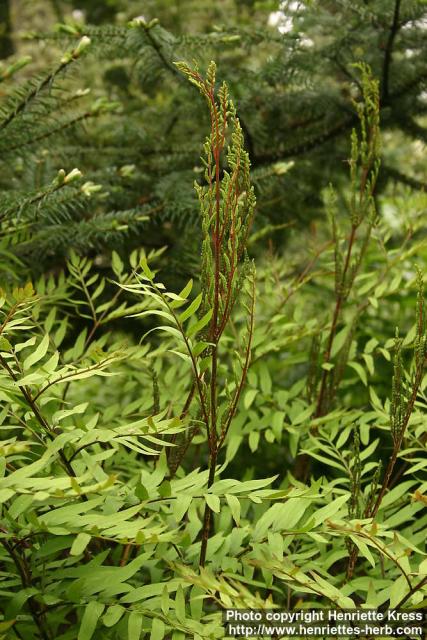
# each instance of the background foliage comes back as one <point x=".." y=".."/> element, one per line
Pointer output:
<point x="180" y="434"/>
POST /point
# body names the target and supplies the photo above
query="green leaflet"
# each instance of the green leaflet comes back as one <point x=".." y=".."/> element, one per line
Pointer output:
<point x="37" y="354"/>
<point x="180" y="507"/>
<point x="180" y="605"/>
<point x="360" y="371"/>
<point x="213" y="502"/>
<point x="80" y="544"/>
<point x="90" y="618"/>
<point x="157" y="630"/>
<point x="148" y="591"/>
<point x="330" y="510"/>
<point x="234" y="505"/>
<point x="191" y="309"/>
<point x="135" y="625"/>
<point x="364" y="549"/>
<point x="112" y="616"/>
<point x="193" y="329"/>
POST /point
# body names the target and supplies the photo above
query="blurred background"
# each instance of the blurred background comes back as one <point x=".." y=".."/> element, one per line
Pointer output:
<point x="124" y="117"/>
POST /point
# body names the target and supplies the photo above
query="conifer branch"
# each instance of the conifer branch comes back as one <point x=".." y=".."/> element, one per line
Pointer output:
<point x="389" y="54"/>
<point x="410" y="181"/>
<point x="68" y="59"/>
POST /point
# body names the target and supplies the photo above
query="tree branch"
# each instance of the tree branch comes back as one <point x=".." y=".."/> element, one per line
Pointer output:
<point x="405" y="179"/>
<point x="385" y="90"/>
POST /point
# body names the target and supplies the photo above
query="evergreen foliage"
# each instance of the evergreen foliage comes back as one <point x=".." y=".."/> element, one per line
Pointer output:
<point x="179" y="433"/>
<point x="135" y="136"/>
